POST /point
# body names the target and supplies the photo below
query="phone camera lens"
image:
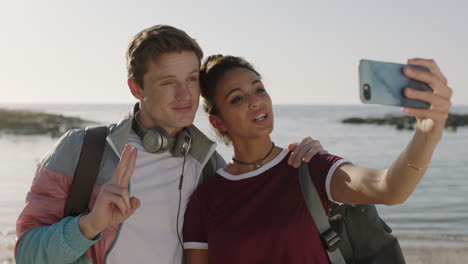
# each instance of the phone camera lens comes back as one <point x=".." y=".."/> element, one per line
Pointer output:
<point x="366" y="91"/>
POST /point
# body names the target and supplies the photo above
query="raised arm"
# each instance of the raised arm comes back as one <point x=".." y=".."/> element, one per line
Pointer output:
<point x="113" y="204"/>
<point x="356" y="185"/>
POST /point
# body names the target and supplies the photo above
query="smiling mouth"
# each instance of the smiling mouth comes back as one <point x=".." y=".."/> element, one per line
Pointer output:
<point x="261" y="117"/>
<point x="183" y="107"/>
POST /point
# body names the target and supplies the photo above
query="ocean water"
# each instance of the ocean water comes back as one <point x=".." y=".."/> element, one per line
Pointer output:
<point x="435" y="214"/>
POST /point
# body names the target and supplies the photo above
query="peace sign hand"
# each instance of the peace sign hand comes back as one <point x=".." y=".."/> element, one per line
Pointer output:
<point x="113" y="204"/>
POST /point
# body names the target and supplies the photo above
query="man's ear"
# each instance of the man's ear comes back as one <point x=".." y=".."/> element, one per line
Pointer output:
<point x="134" y="88"/>
<point x="217" y="123"/>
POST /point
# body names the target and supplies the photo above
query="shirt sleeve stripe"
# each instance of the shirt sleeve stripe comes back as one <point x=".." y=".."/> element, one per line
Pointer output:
<point x="330" y="175"/>
<point x="195" y="245"/>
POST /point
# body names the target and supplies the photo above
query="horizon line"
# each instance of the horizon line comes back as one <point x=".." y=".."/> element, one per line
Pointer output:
<point x="123" y="103"/>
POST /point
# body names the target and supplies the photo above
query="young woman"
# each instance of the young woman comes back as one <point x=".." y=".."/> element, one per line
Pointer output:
<point x="253" y="211"/>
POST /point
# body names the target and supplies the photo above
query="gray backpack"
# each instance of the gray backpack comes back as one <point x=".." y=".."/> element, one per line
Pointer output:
<point x="351" y="233"/>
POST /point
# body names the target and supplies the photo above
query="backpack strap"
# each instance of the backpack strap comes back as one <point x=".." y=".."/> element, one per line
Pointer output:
<point x="86" y="171"/>
<point x="329" y="237"/>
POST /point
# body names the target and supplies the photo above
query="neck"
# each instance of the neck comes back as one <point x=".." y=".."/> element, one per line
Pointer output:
<point x="147" y="123"/>
<point x="252" y="151"/>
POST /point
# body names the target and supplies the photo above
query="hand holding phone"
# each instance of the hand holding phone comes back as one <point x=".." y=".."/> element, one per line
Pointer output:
<point x="384" y="82"/>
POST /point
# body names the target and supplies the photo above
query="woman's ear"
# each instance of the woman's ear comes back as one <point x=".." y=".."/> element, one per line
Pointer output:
<point x="217" y="123"/>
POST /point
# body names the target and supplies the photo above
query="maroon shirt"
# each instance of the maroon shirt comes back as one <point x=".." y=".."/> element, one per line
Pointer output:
<point x="259" y="216"/>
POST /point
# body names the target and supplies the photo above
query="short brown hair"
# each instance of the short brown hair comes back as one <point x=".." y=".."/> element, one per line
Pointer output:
<point x="211" y="71"/>
<point x="152" y="42"/>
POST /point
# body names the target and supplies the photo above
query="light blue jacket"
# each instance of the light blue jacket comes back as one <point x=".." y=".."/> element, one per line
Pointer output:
<point x="44" y="236"/>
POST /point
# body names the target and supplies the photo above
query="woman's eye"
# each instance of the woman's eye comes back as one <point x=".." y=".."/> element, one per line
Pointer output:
<point x="236" y="99"/>
<point x="193" y="79"/>
<point x="261" y="90"/>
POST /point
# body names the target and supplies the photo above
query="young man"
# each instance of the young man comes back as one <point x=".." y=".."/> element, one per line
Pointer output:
<point x="163" y="65"/>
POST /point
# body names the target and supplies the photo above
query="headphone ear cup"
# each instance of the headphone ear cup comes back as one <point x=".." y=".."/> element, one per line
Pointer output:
<point x="153" y="141"/>
<point x="181" y="145"/>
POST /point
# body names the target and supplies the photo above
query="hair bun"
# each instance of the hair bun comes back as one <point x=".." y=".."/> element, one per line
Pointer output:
<point x="210" y="61"/>
<point x="213" y="57"/>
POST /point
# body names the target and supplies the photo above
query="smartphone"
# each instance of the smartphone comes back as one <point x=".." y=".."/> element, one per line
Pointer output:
<point x="384" y="82"/>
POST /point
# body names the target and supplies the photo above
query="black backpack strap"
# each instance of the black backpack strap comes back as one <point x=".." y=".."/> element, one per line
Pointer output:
<point x="86" y="171"/>
<point x="329" y="237"/>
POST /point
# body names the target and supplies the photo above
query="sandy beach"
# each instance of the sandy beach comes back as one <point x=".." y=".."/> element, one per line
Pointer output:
<point x="413" y="255"/>
<point x="430" y="255"/>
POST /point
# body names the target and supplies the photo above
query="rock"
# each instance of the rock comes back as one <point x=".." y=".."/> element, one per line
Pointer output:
<point x="24" y="122"/>
<point x="407" y="122"/>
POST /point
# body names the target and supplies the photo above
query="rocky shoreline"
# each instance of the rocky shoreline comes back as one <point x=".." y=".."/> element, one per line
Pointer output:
<point x="407" y="122"/>
<point x="25" y="122"/>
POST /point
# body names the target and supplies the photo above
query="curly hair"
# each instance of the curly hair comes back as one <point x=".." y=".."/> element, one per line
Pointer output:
<point x="211" y="71"/>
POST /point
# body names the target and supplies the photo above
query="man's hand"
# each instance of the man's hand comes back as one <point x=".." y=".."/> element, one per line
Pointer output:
<point x="113" y="204"/>
<point x="429" y="121"/>
<point x="304" y="151"/>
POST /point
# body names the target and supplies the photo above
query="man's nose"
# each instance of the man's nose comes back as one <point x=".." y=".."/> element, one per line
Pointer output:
<point x="183" y="92"/>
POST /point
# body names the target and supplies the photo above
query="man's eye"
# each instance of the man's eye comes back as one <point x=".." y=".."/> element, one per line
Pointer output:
<point x="236" y="99"/>
<point x="167" y="83"/>
<point x="193" y="79"/>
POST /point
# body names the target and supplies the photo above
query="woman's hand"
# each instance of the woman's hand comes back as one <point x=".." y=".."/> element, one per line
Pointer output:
<point x="304" y="151"/>
<point x="429" y="121"/>
<point x="113" y="204"/>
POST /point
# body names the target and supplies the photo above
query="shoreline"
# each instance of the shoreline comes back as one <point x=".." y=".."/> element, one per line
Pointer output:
<point x="413" y="255"/>
<point x="433" y="255"/>
<point x="425" y="252"/>
<point x="28" y="122"/>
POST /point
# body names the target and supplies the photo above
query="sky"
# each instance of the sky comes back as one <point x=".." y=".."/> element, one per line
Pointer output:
<point x="307" y="51"/>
